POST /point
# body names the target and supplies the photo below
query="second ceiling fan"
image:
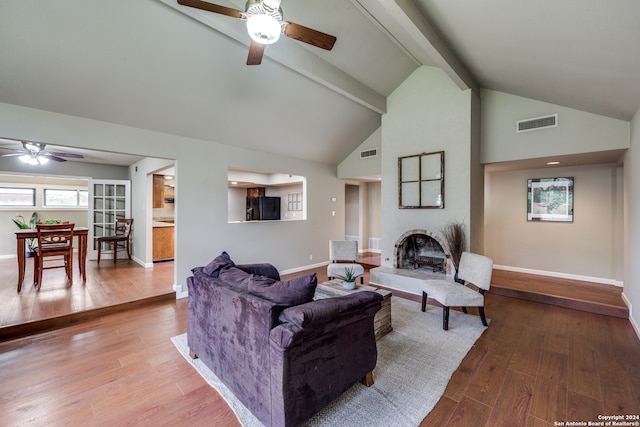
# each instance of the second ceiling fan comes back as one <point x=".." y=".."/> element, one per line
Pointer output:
<point x="265" y="24"/>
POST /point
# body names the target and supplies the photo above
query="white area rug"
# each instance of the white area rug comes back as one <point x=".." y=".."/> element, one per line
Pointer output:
<point x="415" y="362"/>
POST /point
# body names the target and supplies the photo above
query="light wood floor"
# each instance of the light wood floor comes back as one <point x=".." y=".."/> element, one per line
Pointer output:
<point x="534" y="365"/>
<point x="57" y="303"/>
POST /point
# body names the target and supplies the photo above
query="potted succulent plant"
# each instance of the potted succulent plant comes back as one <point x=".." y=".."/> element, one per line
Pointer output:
<point x="20" y="222"/>
<point x="349" y="278"/>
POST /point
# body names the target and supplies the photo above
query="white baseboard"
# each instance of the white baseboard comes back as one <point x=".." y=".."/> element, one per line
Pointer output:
<point x="601" y="280"/>
<point x="182" y="293"/>
<point x="634" y="324"/>
<point x="305" y="267"/>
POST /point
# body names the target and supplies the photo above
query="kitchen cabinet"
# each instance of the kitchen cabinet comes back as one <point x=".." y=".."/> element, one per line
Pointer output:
<point x="256" y="191"/>
<point x="158" y="191"/>
<point x="163" y="237"/>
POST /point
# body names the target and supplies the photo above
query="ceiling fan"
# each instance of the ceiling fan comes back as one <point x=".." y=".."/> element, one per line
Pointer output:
<point x="34" y="153"/>
<point x="265" y="24"/>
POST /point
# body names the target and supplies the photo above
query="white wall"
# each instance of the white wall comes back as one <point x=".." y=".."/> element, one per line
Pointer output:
<point x="141" y="176"/>
<point x="374" y="206"/>
<point x="577" y="131"/>
<point x="352" y="211"/>
<point x="427" y="113"/>
<point x="589" y="246"/>
<point x="237" y="204"/>
<point x="632" y="224"/>
<point x="598" y="203"/>
<point x="353" y="166"/>
<point x="202" y="230"/>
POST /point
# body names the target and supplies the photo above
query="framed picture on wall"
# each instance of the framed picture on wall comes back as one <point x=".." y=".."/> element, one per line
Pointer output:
<point x="550" y="199"/>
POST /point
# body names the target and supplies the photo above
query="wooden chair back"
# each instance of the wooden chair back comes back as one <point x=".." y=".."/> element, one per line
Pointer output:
<point x="123" y="227"/>
<point x="55" y="239"/>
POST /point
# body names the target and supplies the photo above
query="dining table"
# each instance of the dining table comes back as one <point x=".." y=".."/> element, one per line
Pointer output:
<point x="21" y="238"/>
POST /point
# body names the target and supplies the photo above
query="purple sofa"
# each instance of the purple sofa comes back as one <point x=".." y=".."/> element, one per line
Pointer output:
<point x="283" y="355"/>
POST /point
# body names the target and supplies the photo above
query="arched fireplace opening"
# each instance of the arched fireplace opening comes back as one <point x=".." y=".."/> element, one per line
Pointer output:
<point x="419" y="249"/>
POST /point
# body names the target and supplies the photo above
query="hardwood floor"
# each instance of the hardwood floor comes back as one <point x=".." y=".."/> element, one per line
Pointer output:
<point x="534" y="365"/>
<point x="109" y="287"/>
<point x="580" y="295"/>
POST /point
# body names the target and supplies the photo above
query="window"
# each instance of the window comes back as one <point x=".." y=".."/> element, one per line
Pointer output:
<point x="66" y="198"/>
<point x="294" y="201"/>
<point x="10" y="196"/>
<point x="421" y="181"/>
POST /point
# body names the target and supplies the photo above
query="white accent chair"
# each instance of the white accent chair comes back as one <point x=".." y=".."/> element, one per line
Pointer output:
<point x="343" y="250"/>
<point x="474" y="269"/>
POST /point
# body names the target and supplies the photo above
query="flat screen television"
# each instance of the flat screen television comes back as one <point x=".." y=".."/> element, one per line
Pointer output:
<point x="263" y="208"/>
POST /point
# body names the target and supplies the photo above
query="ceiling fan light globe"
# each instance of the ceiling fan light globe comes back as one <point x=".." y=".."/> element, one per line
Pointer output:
<point x="43" y="160"/>
<point x="263" y="29"/>
<point x="32" y="147"/>
<point x="33" y="160"/>
<point x="25" y="158"/>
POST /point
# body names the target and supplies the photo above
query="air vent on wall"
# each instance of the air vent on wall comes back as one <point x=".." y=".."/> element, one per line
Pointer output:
<point x="369" y="153"/>
<point x="537" y="123"/>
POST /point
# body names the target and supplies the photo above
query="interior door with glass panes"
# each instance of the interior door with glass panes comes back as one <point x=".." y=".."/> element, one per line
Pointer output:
<point x="108" y="200"/>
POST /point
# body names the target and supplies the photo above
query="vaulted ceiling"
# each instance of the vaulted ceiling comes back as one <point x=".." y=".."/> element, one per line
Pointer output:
<point x="154" y="64"/>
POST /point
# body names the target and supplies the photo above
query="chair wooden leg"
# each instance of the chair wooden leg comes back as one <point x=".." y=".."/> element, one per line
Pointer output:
<point x="36" y="269"/>
<point x="40" y="268"/>
<point x="70" y="268"/>
<point x="464" y="310"/>
<point x="192" y="354"/>
<point x="115" y="252"/>
<point x="99" y="250"/>
<point x="424" y="301"/>
<point x="482" y="316"/>
<point x="445" y="318"/>
<point x="367" y="380"/>
<point x="129" y="248"/>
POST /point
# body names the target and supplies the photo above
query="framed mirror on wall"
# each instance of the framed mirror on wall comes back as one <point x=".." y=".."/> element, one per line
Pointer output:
<point x="421" y="181"/>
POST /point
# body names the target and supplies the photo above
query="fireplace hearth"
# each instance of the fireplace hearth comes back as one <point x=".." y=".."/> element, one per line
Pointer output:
<point x="420" y="249"/>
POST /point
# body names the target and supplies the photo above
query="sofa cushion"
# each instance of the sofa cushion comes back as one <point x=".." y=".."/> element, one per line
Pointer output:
<point x="235" y="278"/>
<point x="345" y="308"/>
<point x="263" y="269"/>
<point x="289" y="292"/>
<point x="221" y="261"/>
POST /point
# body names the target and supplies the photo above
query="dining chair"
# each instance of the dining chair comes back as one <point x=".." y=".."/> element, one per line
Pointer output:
<point x="54" y="240"/>
<point x="123" y="227"/>
<point x="474" y="269"/>
<point x="344" y="250"/>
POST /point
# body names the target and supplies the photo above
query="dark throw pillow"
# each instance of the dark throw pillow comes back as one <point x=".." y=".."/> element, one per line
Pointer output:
<point x="289" y="292"/>
<point x="221" y="261"/>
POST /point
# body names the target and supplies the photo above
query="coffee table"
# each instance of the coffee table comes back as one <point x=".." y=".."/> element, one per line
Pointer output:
<point x="382" y="320"/>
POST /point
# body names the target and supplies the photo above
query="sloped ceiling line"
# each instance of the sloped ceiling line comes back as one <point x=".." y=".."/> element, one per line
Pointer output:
<point x="409" y="26"/>
<point x="294" y="57"/>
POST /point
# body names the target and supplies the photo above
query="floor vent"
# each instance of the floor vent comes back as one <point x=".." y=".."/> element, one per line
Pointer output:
<point x="369" y="153"/>
<point x="537" y="123"/>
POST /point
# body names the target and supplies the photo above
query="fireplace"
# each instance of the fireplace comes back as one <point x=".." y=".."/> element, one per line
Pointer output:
<point x="420" y="249"/>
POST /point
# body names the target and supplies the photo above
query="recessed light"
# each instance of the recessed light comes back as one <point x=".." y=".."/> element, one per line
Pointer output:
<point x="553" y="163"/>
<point x="234" y="182"/>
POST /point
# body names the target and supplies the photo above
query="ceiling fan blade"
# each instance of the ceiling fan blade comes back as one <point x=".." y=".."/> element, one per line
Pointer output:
<point x="12" y="154"/>
<point x="67" y="155"/>
<point x="210" y="7"/>
<point x="309" y="36"/>
<point x="256" y="51"/>
<point x="52" y="157"/>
